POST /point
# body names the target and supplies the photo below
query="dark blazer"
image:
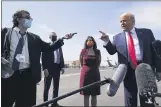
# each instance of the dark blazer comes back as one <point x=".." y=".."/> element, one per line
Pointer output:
<point x="48" y="60"/>
<point x="35" y="47"/>
<point x="119" y="45"/>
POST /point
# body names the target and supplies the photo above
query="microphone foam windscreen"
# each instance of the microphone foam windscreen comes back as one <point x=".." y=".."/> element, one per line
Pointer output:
<point x="145" y="78"/>
<point x="118" y="77"/>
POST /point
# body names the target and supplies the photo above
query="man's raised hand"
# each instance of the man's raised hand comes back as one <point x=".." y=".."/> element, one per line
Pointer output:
<point x="69" y="36"/>
<point x="104" y="37"/>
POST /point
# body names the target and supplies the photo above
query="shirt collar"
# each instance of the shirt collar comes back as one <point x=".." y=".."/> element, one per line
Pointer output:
<point x="18" y="30"/>
<point x="133" y="30"/>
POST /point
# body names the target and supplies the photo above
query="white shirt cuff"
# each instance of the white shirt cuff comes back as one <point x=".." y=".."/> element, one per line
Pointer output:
<point x="105" y="43"/>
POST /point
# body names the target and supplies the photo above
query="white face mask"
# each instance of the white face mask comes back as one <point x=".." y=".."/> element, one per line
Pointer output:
<point x="27" y="23"/>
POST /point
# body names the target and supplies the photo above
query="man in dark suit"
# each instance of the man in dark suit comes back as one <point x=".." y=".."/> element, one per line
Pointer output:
<point x="52" y="64"/>
<point x="133" y="47"/>
<point x="23" y="49"/>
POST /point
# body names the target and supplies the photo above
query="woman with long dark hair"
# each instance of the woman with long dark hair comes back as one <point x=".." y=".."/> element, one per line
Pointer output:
<point x="90" y="59"/>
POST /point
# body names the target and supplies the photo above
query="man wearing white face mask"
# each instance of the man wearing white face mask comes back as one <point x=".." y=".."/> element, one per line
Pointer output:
<point x="23" y="49"/>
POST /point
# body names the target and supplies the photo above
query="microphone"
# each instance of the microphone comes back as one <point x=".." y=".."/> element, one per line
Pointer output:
<point x="118" y="77"/>
<point x="145" y="78"/>
<point x="146" y="84"/>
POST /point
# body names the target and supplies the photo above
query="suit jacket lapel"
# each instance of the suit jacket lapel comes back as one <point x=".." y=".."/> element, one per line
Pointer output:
<point x="29" y="38"/>
<point x="53" y="54"/>
<point x="122" y="44"/>
<point x="140" y="39"/>
<point x="61" y="59"/>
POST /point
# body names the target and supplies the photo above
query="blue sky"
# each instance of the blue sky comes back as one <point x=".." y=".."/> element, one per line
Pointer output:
<point x="86" y="18"/>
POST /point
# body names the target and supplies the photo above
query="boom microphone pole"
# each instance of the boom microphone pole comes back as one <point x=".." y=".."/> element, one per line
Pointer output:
<point x="74" y="92"/>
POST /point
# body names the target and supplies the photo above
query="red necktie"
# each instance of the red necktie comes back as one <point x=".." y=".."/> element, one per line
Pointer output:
<point x="131" y="51"/>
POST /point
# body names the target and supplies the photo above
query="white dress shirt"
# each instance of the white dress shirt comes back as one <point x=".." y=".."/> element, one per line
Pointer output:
<point x="13" y="45"/>
<point x="57" y="56"/>
<point x="136" y="44"/>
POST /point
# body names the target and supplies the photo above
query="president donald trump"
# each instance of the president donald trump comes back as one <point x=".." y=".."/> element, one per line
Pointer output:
<point x="133" y="46"/>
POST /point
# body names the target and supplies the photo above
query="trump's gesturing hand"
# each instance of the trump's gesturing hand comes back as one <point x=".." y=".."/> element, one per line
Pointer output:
<point x="104" y="37"/>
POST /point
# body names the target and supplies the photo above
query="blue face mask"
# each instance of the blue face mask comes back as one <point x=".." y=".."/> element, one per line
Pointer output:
<point x="27" y="23"/>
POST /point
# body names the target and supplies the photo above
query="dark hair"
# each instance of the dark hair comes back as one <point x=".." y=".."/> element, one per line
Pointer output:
<point x="94" y="46"/>
<point x="16" y="15"/>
